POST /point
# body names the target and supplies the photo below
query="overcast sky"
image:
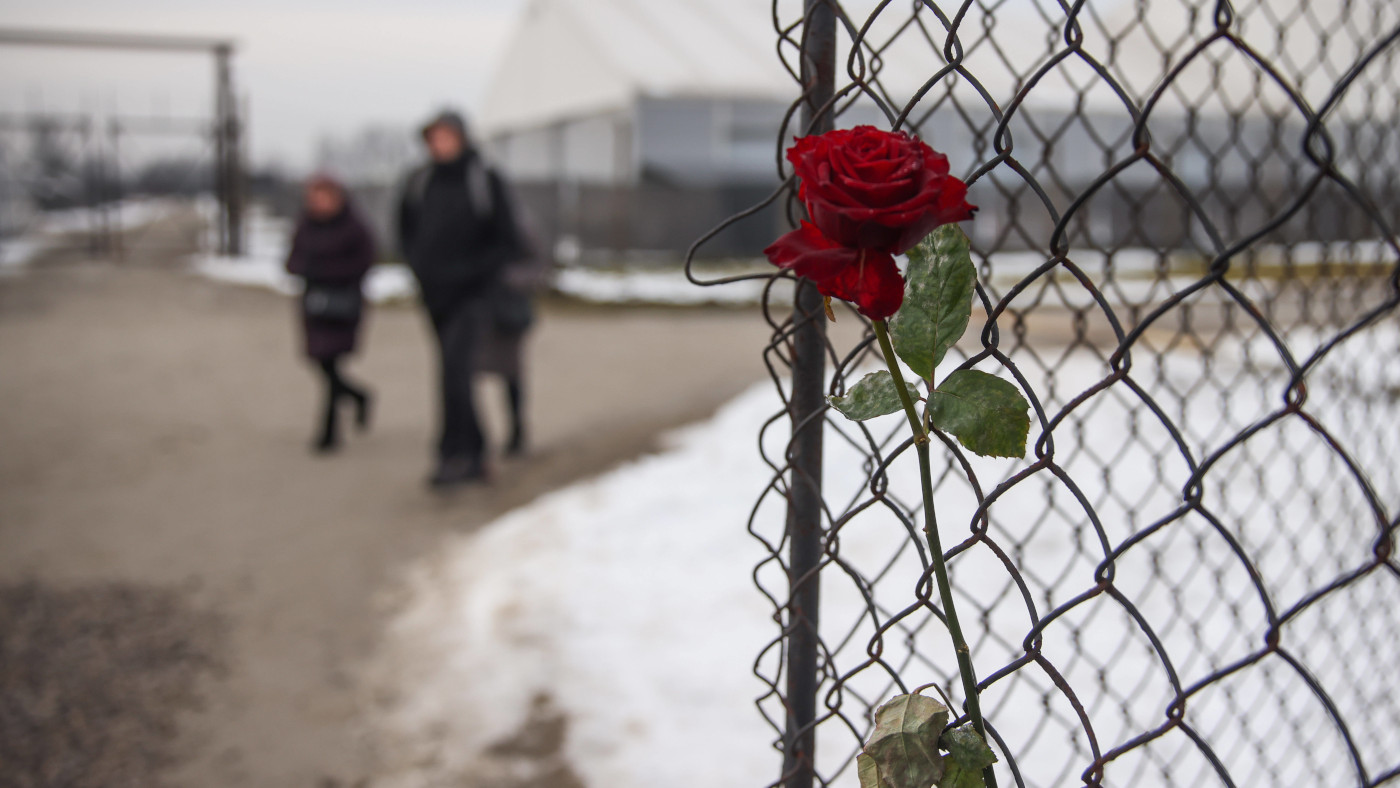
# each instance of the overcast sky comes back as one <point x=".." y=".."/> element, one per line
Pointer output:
<point x="307" y="67"/>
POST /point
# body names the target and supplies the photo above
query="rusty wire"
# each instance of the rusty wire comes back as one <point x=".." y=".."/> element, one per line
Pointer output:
<point x="1189" y="264"/>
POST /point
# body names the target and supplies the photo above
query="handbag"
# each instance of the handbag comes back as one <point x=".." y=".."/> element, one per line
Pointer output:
<point x="333" y="303"/>
<point x="513" y="311"/>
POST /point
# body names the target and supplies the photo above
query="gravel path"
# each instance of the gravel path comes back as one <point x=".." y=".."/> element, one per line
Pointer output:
<point x="62" y="722"/>
<point x="186" y="594"/>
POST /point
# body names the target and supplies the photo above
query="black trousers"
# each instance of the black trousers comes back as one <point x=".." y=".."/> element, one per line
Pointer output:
<point x="337" y="388"/>
<point x="457" y="332"/>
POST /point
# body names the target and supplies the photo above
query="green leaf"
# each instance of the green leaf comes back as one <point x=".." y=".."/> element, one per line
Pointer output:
<point x="937" y="300"/>
<point x="986" y="414"/>
<point x="868" y="771"/>
<point x="871" y="396"/>
<point x="904" y="745"/>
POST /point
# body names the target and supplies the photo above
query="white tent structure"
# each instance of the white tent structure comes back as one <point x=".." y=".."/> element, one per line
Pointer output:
<point x="598" y="88"/>
<point x="602" y="90"/>
<point x="690" y="94"/>
<point x="577" y="57"/>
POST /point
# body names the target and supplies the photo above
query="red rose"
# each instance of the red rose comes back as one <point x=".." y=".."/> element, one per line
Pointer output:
<point x="867" y="278"/>
<point x="873" y="189"/>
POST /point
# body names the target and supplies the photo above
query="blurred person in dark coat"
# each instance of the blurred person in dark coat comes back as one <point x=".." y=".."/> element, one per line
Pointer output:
<point x="459" y="231"/>
<point x="332" y="251"/>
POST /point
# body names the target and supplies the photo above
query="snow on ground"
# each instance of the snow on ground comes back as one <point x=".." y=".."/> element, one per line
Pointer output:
<point x="262" y="265"/>
<point x="385" y="282"/>
<point x="122" y="215"/>
<point x="248" y="271"/>
<point x="16" y="252"/>
<point x="268" y="238"/>
<point x="265" y="243"/>
<point x="1135" y="275"/>
<point x="657" y="286"/>
<point x="49" y="227"/>
<point x="630" y="599"/>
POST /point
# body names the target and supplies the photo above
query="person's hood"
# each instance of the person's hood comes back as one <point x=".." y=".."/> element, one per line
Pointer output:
<point x="449" y="118"/>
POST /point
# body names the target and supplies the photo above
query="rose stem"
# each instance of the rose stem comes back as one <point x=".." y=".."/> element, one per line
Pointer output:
<point x="940" y="569"/>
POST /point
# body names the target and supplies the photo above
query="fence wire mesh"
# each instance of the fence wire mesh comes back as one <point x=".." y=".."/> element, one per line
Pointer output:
<point x="1188" y="263"/>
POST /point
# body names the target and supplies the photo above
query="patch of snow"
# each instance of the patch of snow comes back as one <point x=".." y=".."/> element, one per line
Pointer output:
<point x="48" y="227"/>
<point x="627" y="599"/>
<point x="390" y="282"/>
<point x="266" y="241"/>
<point x="657" y="286"/>
<point x="123" y="215"/>
<point x="1143" y="276"/>
<point x="263" y="266"/>
<point x="266" y="273"/>
<point x="1126" y="276"/>
<point x="630" y="598"/>
<point x="16" y="252"/>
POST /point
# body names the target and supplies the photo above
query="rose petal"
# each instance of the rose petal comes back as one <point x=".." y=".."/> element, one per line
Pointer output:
<point x="887" y="169"/>
<point x="934" y="163"/>
<point x="807" y="252"/>
<point x="866" y="277"/>
<point x="874" y="285"/>
<point x="877" y="192"/>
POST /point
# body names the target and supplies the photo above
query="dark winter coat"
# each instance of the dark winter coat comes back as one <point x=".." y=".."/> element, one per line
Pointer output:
<point x="457" y="231"/>
<point x="462" y="235"/>
<point x="335" y="252"/>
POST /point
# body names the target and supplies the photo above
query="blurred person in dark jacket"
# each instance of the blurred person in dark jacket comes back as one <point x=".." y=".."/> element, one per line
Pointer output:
<point x="332" y="251"/>
<point x="459" y="233"/>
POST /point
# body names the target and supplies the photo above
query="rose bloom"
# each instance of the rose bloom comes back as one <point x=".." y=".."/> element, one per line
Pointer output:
<point x="874" y="189"/>
<point x="870" y="194"/>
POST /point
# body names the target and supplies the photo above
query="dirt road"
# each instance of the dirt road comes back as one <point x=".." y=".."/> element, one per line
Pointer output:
<point x="185" y="591"/>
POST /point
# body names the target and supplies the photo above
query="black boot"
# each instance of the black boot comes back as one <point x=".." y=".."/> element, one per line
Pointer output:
<point x="364" y="408"/>
<point x="454" y="472"/>
<point x="515" y="394"/>
<point x="329" y="439"/>
<point x="516" y="446"/>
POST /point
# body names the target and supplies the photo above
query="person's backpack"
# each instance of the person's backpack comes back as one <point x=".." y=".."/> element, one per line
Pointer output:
<point x="513" y="310"/>
<point x="478" y="180"/>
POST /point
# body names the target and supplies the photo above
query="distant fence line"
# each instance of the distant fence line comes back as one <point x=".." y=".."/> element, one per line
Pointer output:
<point x="101" y="138"/>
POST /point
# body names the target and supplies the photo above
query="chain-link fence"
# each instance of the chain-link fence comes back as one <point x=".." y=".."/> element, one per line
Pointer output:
<point x="1189" y="265"/>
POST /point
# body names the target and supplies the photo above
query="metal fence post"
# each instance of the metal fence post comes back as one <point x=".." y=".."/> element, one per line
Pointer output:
<point x="228" y="167"/>
<point x="804" y="515"/>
